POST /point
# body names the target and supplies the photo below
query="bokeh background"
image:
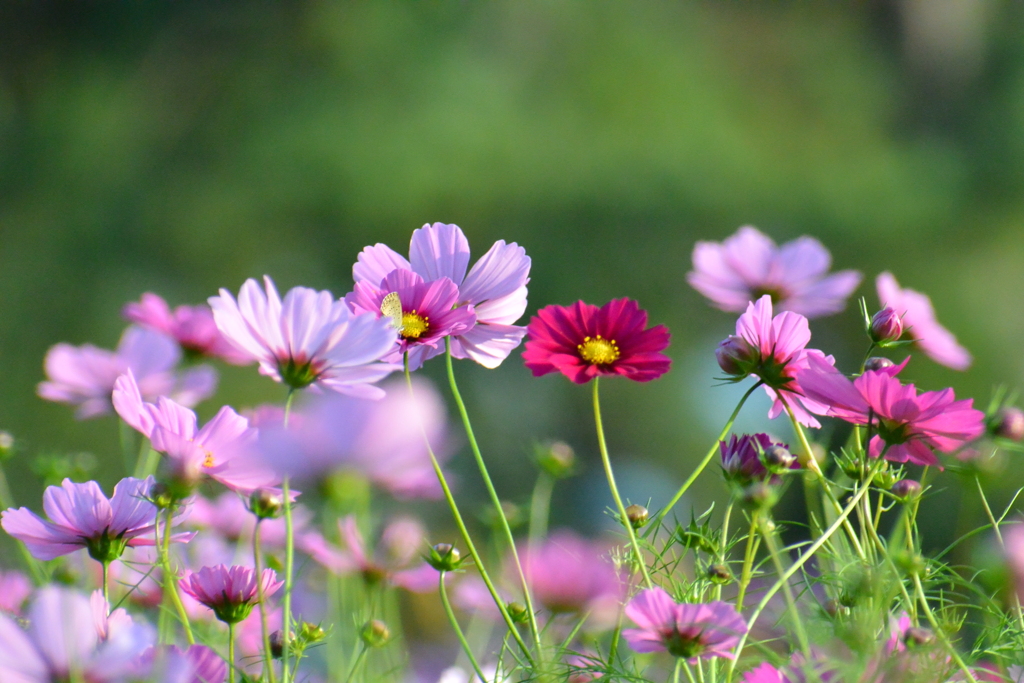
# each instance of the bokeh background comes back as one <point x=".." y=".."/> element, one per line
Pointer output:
<point x="179" y="147"/>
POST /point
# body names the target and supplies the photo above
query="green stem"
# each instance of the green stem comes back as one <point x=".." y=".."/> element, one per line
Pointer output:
<point x="355" y="664"/>
<point x="707" y="458"/>
<point x="458" y="629"/>
<point x="686" y="668"/>
<point x="170" y="578"/>
<point x="540" y="507"/>
<point x="106" y="584"/>
<point x="289" y="569"/>
<point x="475" y="448"/>
<point x="908" y="601"/>
<point x="606" y="461"/>
<point x="999" y="537"/>
<point x="787" y="590"/>
<point x="460" y="523"/>
<point x="939" y="633"/>
<point x="231" y="651"/>
<point x="748" y="563"/>
<point x="675" y="670"/>
<point x="268" y="658"/>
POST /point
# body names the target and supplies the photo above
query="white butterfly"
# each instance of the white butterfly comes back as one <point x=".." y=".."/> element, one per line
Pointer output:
<point x="391" y="307"/>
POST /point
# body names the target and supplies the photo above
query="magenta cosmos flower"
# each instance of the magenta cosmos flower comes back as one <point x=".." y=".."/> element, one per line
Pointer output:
<point x="495" y="286"/>
<point x="920" y="324"/>
<point x="82" y="517"/>
<point x="67" y="639"/>
<point x="192" y="327"/>
<point x="231" y="592"/>
<point x="741" y="457"/>
<point x="308" y="339"/>
<point x="424" y="314"/>
<point x="774" y="349"/>
<point x="766" y="673"/>
<point x="570" y="574"/>
<point x="910" y="425"/>
<point x="748" y="265"/>
<point x="691" y="631"/>
<point x="583" y="341"/>
<point x="84" y="376"/>
<point x="221" y="450"/>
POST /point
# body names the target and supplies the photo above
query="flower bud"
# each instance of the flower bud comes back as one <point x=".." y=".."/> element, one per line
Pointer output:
<point x="6" y="445"/>
<point x="513" y="515"/>
<point x="160" y="494"/>
<point x="637" y="515"/>
<point x="310" y="633"/>
<point x="265" y="504"/>
<point x="277" y="644"/>
<point x="1008" y="423"/>
<point x="876" y="363"/>
<point x="557" y="458"/>
<point x="375" y="633"/>
<point x="906" y="489"/>
<point x="517" y="612"/>
<point x="886" y="326"/>
<point x="736" y="357"/>
<point x="778" y="459"/>
<point x="759" y="495"/>
<point x="719" y="574"/>
<point x="444" y="557"/>
<point x="916" y="636"/>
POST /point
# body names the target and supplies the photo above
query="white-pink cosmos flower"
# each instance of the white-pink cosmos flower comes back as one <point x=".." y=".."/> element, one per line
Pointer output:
<point x="309" y="338"/>
<point x="920" y="323"/>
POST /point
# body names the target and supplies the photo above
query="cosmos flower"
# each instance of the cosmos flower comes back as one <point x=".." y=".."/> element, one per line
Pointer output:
<point x="194" y="664"/>
<point x="231" y="592"/>
<point x="920" y="324"/>
<point x="766" y="673"/>
<point x="1013" y="541"/>
<point x="220" y="450"/>
<point x="909" y="424"/>
<point x="15" y="588"/>
<point x="308" y="339"/>
<point x="495" y="286"/>
<point x="748" y="265"/>
<point x="741" y="457"/>
<point x="567" y="573"/>
<point x="82" y="517"/>
<point x="583" y="341"/>
<point x="84" y="376"/>
<point x="692" y="631"/>
<point x="192" y="327"/>
<point x="426" y="312"/>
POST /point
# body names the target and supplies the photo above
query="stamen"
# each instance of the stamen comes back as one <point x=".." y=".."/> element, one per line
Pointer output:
<point x="414" y="325"/>
<point x="598" y="351"/>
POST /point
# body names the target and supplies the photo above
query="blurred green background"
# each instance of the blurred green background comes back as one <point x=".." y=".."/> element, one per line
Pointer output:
<point x="182" y="147"/>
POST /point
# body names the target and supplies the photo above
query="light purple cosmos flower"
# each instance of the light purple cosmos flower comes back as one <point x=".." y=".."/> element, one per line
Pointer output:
<point x="428" y="312"/>
<point x="230" y="519"/>
<point x="192" y="327"/>
<point x="195" y="664"/>
<point x="14" y="590"/>
<point x="63" y="643"/>
<point x="920" y="324"/>
<point x="221" y="450"/>
<point x="231" y="592"/>
<point x="308" y="339"/>
<point x="748" y="265"/>
<point x="82" y="517"/>
<point x="691" y="631"/>
<point x="766" y="673"/>
<point x="567" y="573"/>
<point x="495" y="286"/>
<point x="1013" y="541"/>
<point x="84" y="376"/>
<point x="381" y="440"/>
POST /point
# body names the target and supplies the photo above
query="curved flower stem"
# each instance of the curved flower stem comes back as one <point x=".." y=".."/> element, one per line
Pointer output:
<point x="675" y="670"/>
<point x="460" y="523"/>
<point x="289" y="568"/>
<point x="787" y="591"/>
<point x="170" y="580"/>
<point x="458" y="629"/>
<point x="268" y="660"/>
<point x="686" y="668"/>
<point x="540" y="507"/>
<point x="939" y="633"/>
<point x="723" y="545"/>
<point x="606" y="461"/>
<point x="999" y="537"/>
<point x="231" y="652"/>
<point x="896" y="572"/>
<point x="748" y="563"/>
<point x="355" y="664"/>
<point x="475" y="448"/>
<point x="707" y="458"/>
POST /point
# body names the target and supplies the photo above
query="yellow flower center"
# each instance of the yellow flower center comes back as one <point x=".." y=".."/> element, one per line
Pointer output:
<point x="414" y="325"/>
<point x="208" y="460"/>
<point x="598" y="351"/>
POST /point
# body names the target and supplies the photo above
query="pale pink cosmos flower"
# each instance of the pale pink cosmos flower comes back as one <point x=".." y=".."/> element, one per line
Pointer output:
<point x="691" y="631"/>
<point x="192" y="327"/>
<point x="82" y="517"/>
<point x="229" y="517"/>
<point x="15" y="588"/>
<point x="62" y="642"/>
<point x="495" y="287"/>
<point x="221" y="450"/>
<point x="748" y="265"/>
<point x="397" y="560"/>
<point x="907" y="426"/>
<point x="567" y="573"/>
<point x="1013" y="542"/>
<point x="84" y="376"/>
<point x="308" y="339"/>
<point x="920" y="324"/>
<point x="231" y="592"/>
<point x="195" y="664"/>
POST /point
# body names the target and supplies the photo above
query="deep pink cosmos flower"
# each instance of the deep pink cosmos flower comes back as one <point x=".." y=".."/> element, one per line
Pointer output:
<point x="748" y="265"/>
<point x="84" y="376"/>
<point x="741" y="457"/>
<point x="426" y="313"/>
<point x="911" y="425"/>
<point x="231" y="592"/>
<point x="583" y="341"/>
<point x="82" y="517"/>
<point x="495" y="287"/>
<point x="691" y="631"/>
<point x="766" y="673"/>
<point x="920" y="324"/>
<point x="570" y="574"/>
<point x="192" y="327"/>
<point x="308" y="339"/>
<point x="221" y="450"/>
<point x="63" y="642"/>
<point x="195" y="664"/>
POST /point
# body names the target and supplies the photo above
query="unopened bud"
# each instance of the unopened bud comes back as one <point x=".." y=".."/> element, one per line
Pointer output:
<point x="160" y="494"/>
<point x="375" y="633"/>
<point x="637" y="515"/>
<point x="512" y="512"/>
<point x="310" y="633"/>
<point x="719" y="574"/>
<point x="916" y="636"/>
<point x="1009" y="423"/>
<point x="778" y="459"/>
<point x="444" y="557"/>
<point x="517" y="612"/>
<point x="906" y="489"/>
<point x="876" y="363"/>
<point x="265" y="504"/>
<point x="759" y="495"/>
<point x="277" y="644"/>
<point x="557" y="458"/>
<point x="886" y="326"/>
<point x="834" y="608"/>
<point x="736" y="357"/>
